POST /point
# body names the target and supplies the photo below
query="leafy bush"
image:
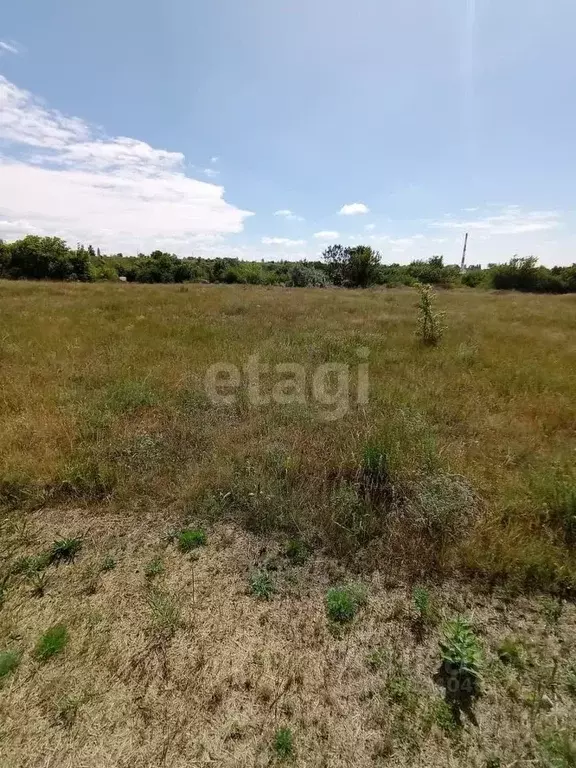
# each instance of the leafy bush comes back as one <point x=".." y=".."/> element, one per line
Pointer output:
<point x="343" y="603"/>
<point x="284" y="743"/>
<point x="430" y="321"/>
<point x="65" y="550"/>
<point x="191" y="538"/>
<point x="462" y="655"/>
<point x="261" y="585"/>
<point x="9" y="661"/>
<point x="52" y="642"/>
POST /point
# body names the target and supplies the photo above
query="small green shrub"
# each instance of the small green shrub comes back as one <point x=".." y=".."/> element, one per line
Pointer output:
<point x="558" y="749"/>
<point x="342" y="603"/>
<point x="443" y="715"/>
<point x="284" y="743"/>
<point x="511" y="651"/>
<point x="375" y="463"/>
<point x="297" y="551"/>
<point x="462" y="656"/>
<point x="154" y="568"/>
<point x="430" y="321"/>
<point x="165" y="610"/>
<point x="425" y="611"/>
<point x="65" y="550"/>
<point x="552" y="609"/>
<point x="108" y="564"/>
<point x="31" y="564"/>
<point x="52" y="642"/>
<point x="261" y="585"/>
<point x="9" y="661"/>
<point x="191" y="538"/>
<point x="38" y="581"/>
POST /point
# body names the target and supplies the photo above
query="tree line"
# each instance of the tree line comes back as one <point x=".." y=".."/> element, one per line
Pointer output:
<point x="49" y="258"/>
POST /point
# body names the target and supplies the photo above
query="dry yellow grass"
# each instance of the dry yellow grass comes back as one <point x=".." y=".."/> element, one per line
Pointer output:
<point x="107" y="433"/>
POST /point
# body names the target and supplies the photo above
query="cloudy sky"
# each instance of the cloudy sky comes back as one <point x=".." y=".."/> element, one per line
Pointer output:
<point x="271" y="128"/>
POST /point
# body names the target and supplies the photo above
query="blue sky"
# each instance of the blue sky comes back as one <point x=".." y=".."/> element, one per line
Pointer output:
<point x="269" y="128"/>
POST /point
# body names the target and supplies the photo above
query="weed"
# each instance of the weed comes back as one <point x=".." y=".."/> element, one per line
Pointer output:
<point x="166" y="613"/>
<point x="443" y="715"/>
<point x="552" y="609"/>
<point x="65" y="550"/>
<point x="511" y="651"/>
<point x="31" y="564"/>
<point x="67" y="710"/>
<point x="191" y="538"/>
<point x="9" y="661"/>
<point x="154" y="568"/>
<point x="342" y="603"/>
<point x="430" y="321"/>
<point x="38" y="581"/>
<point x="375" y="464"/>
<point x="571" y="681"/>
<point x="426" y="614"/>
<point x="284" y="743"/>
<point x="400" y="690"/>
<point x="261" y="585"/>
<point x="52" y="642"/>
<point x="461" y="656"/>
<point x="297" y="551"/>
<point x="376" y="659"/>
<point x="558" y="749"/>
<point x="108" y="564"/>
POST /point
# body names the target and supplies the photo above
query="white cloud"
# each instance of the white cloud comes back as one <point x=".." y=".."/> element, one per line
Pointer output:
<point x="511" y="220"/>
<point x="282" y="241"/>
<point x="370" y="227"/>
<point x="8" y="47"/>
<point x="210" y="172"/>
<point x="353" y="209"/>
<point x="118" y="193"/>
<point x="214" y="159"/>
<point x="326" y="235"/>
<point x="288" y="214"/>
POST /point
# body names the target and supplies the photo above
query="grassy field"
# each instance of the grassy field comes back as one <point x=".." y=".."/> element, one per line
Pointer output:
<point x="167" y="560"/>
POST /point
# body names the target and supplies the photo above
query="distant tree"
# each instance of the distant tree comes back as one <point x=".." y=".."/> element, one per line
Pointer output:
<point x="336" y="258"/>
<point x="40" y="258"/>
<point x="4" y="258"/>
<point x="355" y="267"/>
<point x="362" y="267"/>
<point x="303" y="276"/>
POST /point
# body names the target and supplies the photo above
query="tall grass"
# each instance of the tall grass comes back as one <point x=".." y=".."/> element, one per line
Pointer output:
<point x="102" y="400"/>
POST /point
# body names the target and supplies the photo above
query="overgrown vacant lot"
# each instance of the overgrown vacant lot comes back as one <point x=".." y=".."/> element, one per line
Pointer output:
<point x="185" y="581"/>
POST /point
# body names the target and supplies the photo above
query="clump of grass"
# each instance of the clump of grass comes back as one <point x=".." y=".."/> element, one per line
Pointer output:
<point x="65" y="550"/>
<point x="9" y="662"/>
<point x="552" y="609"/>
<point x="154" y="568"/>
<point x="375" y="464"/>
<point x="108" y="563"/>
<point x="511" y="651"/>
<point x="343" y="603"/>
<point x="558" y="749"/>
<point x="261" y="585"/>
<point x="376" y="659"/>
<point x="31" y="564"/>
<point x="39" y="582"/>
<point x="191" y="538"/>
<point x="284" y="743"/>
<point x="461" y="656"/>
<point x="165" y="610"/>
<point x="444" y="718"/>
<point x="52" y="642"/>
<point x="297" y="551"/>
<point x="430" y="322"/>
<point x="426" y="614"/>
